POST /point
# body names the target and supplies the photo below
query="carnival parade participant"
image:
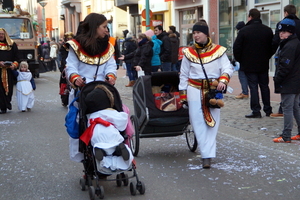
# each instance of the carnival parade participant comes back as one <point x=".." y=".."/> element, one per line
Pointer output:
<point x="63" y="83"/>
<point x="8" y="62"/>
<point x="90" y="58"/>
<point x="203" y="57"/>
<point x="24" y="87"/>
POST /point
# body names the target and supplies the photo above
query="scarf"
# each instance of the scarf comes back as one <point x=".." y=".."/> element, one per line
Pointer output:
<point x="143" y="41"/>
<point x="88" y="133"/>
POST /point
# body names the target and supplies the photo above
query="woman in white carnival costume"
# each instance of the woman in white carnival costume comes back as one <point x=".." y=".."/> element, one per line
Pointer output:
<point x="90" y="58"/>
<point x="193" y="87"/>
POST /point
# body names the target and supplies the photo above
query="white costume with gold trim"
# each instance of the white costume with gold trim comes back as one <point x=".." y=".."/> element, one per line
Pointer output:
<point x="79" y="63"/>
<point x="216" y="63"/>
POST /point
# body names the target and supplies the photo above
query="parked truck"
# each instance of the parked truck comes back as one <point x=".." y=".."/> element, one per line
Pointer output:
<point x="21" y="31"/>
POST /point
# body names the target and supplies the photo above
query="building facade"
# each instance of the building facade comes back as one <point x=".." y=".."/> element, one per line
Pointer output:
<point x="221" y="15"/>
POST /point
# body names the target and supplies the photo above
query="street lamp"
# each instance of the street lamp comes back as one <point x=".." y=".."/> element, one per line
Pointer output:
<point x="43" y="4"/>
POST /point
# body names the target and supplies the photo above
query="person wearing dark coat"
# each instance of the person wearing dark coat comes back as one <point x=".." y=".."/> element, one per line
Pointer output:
<point x="42" y="67"/>
<point x="289" y="11"/>
<point x="173" y="29"/>
<point x="165" y="50"/>
<point x="253" y="49"/>
<point x="63" y="84"/>
<point x="142" y="55"/>
<point x="287" y="78"/>
<point x="46" y="56"/>
<point x="175" y="49"/>
<point x="9" y="61"/>
<point x="129" y="46"/>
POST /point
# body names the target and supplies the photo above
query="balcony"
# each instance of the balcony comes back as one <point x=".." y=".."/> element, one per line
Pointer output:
<point x="122" y="4"/>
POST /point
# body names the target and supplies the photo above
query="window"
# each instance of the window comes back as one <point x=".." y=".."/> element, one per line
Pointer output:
<point x="17" y="28"/>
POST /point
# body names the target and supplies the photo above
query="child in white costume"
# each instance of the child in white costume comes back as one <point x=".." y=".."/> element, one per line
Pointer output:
<point x="104" y="126"/>
<point x="24" y="87"/>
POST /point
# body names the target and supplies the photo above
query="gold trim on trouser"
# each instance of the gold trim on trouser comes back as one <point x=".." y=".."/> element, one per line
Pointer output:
<point x="4" y="79"/>
<point x="206" y="110"/>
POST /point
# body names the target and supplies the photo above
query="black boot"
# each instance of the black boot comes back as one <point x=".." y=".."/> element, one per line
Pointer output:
<point x="121" y="150"/>
<point x="206" y="163"/>
<point x="99" y="153"/>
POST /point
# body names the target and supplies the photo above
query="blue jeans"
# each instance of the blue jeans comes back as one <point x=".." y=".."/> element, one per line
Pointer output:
<point x="155" y="68"/>
<point x="166" y="66"/>
<point x="130" y="73"/>
<point x="243" y="81"/>
<point x="174" y="67"/>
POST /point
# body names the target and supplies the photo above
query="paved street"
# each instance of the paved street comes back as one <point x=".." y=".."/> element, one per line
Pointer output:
<point x="35" y="164"/>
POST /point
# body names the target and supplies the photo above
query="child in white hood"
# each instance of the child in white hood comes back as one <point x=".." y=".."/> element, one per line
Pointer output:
<point x="104" y="126"/>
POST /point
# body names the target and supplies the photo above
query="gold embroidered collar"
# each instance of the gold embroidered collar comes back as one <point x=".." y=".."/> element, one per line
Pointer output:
<point x="207" y="54"/>
<point x="91" y="60"/>
<point x="4" y="46"/>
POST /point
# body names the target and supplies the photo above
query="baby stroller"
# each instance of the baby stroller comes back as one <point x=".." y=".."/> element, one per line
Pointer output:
<point x="94" y="170"/>
<point x="154" y="118"/>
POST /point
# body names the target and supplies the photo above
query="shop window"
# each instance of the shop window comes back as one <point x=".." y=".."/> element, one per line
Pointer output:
<point x="228" y="17"/>
<point x="189" y="17"/>
<point x="297" y="4"/>
<point x="274" y="18"/>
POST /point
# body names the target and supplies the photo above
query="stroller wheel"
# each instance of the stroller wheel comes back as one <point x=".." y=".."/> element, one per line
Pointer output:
<point x="119" y="180"/>
<point x="133" y="188"/>
<point x="191" y="138"/>
<point x="135" y="139"/>
<point x="82" y="184"/>
<point x="100" y="192"/>
<point x="125" y="179"/>
<point x="141" y="187"/>
<point x="89" y="181"/>
<point x="92" y="192"/>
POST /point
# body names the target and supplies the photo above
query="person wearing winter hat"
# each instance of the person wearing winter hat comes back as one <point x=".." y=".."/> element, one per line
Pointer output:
<point x="240" y="25"/>
<point x="289" y="10"/>
<point x="155" y="61"/>
<point x="193" y="87"/>
<point x="149" y="33"/>
<point x="287" y="78"/>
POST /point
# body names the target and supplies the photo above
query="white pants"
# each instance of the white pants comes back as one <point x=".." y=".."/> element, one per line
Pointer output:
<point x="206" y="135"/>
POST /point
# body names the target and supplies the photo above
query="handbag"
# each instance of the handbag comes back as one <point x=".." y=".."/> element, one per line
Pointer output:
<point x="211" y="94"/>
<point x="71" y="120"/>
<point x="167" y="101"/>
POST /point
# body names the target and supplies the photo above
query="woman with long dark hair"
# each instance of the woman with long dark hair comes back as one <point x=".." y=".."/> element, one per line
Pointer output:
<point x="90" y="59"/>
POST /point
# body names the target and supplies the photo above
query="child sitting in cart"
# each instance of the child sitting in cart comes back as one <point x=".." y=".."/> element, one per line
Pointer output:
<point x="104" y="126"/>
